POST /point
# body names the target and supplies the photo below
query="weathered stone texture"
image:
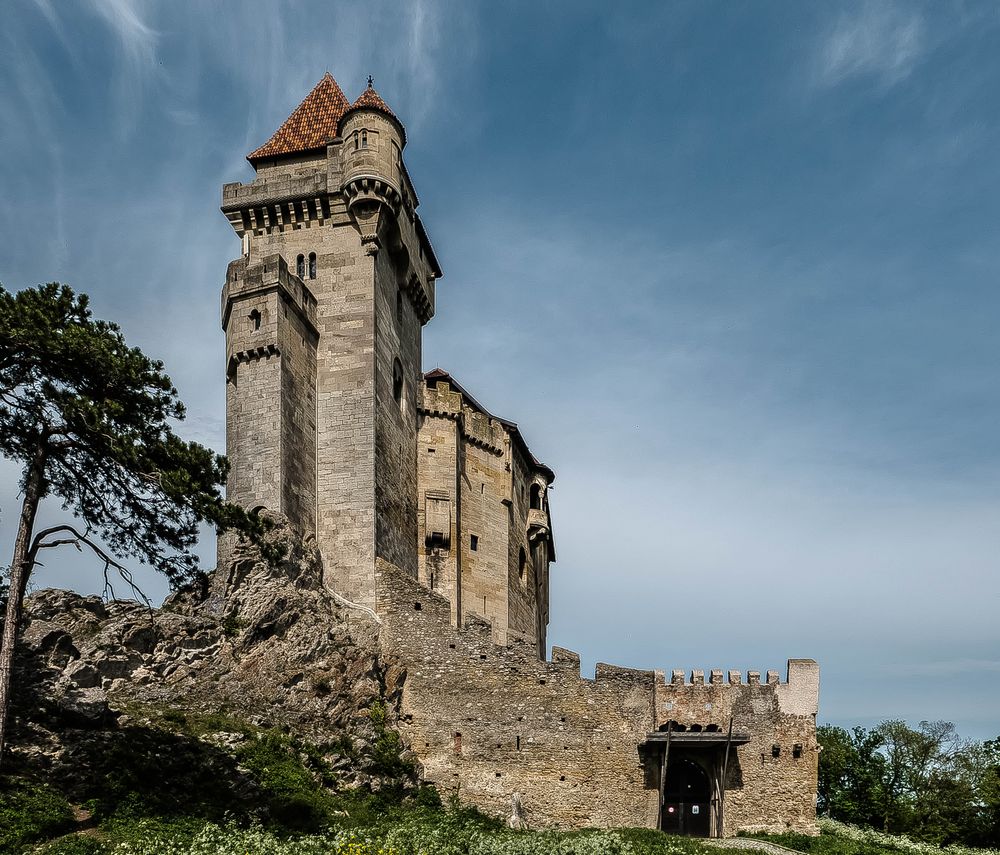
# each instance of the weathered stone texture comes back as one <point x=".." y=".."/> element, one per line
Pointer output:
<point x="488" y="505"/>
<point x="492" y="720"/>
<point x="432" y="511"/>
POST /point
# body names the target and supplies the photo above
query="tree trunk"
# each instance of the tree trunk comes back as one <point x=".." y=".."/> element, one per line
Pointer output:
<point x="19" y="572"/>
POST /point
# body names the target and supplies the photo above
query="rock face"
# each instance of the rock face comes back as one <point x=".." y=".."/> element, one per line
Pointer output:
<point x="265" y="645"/>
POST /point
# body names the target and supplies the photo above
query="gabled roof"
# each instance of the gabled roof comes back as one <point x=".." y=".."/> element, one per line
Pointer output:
<point x="312" y="125"/>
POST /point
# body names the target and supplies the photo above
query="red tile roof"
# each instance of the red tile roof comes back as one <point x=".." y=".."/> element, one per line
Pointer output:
<point x="312" y="125"/>
<point x="371" y="100"/>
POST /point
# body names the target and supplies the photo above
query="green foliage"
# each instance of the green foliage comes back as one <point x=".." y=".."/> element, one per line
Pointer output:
<point x="30" y="811"/>
<point x="923" y="781"/>
<point x="388" y="747"/>
<point x="838" y="838"/>
<point x="72" y="845"/>
<point x="232" y="625"/>
<point x="97" y="416"/>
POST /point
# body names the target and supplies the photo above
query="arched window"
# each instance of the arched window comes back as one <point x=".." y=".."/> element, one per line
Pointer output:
<point x="522" y="563"/>
<point x="364" y="139"/>
<point x="300" y="267"/>
<point x="397" y="381"/>
<point x="312" y="265"/>
<point x="399" y="307"/>
<point x="535" y="502"/>
<point x="254" y="321"/>
<point x="355" y="140"/>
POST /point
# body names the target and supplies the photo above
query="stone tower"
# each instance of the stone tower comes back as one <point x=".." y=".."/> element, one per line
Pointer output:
<point x="323" y="316"/>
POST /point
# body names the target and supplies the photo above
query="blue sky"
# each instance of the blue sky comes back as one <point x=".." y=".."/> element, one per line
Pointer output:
<point x="732" y="267"/>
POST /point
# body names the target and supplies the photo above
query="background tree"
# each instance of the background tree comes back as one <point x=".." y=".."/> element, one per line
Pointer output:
<point x="851" y="774"/>
<point x="924" y="782"/>
<point x="89" y="420"/>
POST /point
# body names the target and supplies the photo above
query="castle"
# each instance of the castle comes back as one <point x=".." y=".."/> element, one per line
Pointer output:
<point x="431" y="513"/>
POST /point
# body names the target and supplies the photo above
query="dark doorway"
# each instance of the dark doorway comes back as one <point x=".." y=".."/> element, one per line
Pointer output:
<point x="687" y="797"/>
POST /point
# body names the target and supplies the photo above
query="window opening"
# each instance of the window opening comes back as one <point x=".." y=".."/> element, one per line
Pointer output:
<point x="535" y="502"/>
<point x="474" y="542"/>
<point x="254" y="320"/>
<point x="300" y="267"/>
<point x="397" y="381"/>
<point x="312" y="265"/>
<point x="522" y="562"/>
<point x="355" y="140"/>
<point x="364" y="139"/>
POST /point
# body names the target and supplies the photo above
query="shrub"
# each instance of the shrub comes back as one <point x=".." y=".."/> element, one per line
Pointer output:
<point x="30" y="811"/>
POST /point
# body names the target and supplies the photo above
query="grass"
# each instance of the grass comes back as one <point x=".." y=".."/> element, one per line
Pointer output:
<point x="838" y="838"/>
<point x="181" y="784"/>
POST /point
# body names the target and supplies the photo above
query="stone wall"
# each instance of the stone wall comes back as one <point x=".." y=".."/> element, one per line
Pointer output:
<point x="487" y="502"/>
<point x="343" y="463"/>
<point x="492" y="720"/>
<point x="397" y="347"/>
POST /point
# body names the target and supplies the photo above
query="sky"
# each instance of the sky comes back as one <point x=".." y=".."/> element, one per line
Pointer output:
<point x="733" y="268"/>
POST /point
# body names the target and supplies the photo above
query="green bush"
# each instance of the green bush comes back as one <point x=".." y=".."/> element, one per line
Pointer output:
<point x="30" y="811"/>
<point x="72" y="845"/>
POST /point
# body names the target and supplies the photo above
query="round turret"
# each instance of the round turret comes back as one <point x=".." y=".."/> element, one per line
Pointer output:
<point x="372" y="151"/>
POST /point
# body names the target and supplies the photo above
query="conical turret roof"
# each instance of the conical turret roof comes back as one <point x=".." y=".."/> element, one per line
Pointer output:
<point x="313" y="123"/>
<point x="371" y="100"/>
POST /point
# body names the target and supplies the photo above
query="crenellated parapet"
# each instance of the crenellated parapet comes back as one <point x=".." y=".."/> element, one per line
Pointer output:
<point x="492" y="719"/>
<point x="263" y="292"/>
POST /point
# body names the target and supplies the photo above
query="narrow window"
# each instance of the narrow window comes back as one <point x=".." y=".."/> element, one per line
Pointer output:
<point x="397" y="381"/>
<point x="254" y="321"/>
<point x="775" y="750"/>
<point x="458" y="743"/>
<point x="519" y="743"/>
<point x="522" y="562"/>
<point x="399" y="307"/>
<point x="300" y="267"/>
<point x="355" y="140"/>
<point x="474" y="542"/>
<point x="536" y="498"/>
<point x="312" y="265"/>
<point x="364" y="139"/>
<point x="797" y="751"/>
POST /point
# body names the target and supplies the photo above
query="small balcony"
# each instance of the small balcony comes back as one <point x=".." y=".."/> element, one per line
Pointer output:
<point x="538" y="521"/>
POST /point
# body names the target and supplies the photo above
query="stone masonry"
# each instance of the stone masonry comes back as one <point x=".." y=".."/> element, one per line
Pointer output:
<point x="431" y="514"/>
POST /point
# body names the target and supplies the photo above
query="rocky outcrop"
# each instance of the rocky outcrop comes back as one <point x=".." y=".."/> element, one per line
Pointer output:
<point x="266" y="645"/>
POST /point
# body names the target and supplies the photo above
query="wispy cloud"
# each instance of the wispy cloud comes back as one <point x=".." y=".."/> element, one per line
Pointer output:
<point x="879" y="40"/>
<point x="138" y="42"/>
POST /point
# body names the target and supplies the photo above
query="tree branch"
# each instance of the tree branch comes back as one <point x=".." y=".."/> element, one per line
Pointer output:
<point x="77" y="539"/>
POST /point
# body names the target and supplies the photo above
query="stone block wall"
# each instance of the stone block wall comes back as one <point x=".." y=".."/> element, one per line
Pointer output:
<point x="438" y="515"/>
<point x="269" y="319"/>
<point x="397" y="343"/>
<point x="492" y="720"/>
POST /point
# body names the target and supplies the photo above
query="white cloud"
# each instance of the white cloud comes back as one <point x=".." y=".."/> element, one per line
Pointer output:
<point x="881" y="40"/>
<point x="138" y="44"/>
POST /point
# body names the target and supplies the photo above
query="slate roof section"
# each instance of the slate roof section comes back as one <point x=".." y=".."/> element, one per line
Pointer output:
<point x="312" y="125"/>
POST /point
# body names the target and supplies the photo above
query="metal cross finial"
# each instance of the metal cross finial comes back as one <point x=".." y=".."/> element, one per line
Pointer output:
<point x="371" y="83"/>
